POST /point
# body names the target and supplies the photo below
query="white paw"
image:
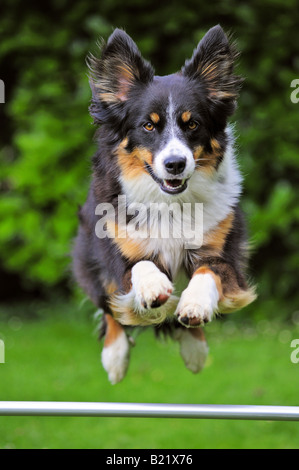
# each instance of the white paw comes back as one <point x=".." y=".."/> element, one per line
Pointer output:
<point x="115" y="358"/>
<point x="151" y="287"/>
<point x="199" y="301"/>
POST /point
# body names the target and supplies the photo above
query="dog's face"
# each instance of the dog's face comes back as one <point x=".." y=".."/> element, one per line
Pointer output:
<point x="166" y="127"/>
<point x="167" y="122"/>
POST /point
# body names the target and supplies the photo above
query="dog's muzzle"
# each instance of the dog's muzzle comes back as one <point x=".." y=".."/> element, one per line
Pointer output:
<point x="171" y="185"/>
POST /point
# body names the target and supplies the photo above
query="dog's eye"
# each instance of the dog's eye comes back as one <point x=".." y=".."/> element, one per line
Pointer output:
<point x="149" y="126"/>
<point x="192" y="125"/>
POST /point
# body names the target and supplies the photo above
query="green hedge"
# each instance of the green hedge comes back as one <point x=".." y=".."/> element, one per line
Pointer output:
<point x="46" y="132"/>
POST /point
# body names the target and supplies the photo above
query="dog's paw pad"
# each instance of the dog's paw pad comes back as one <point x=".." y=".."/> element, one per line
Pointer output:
<point x="155" y="294"/>
<point x="161" y="299"/>
<point x="194" y="315"/>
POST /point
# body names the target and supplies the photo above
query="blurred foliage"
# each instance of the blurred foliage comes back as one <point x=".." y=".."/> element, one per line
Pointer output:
<point x="46" y="132"/>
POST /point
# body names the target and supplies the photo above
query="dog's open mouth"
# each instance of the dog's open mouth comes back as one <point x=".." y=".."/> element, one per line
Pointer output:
<point x="173" y="186"/>
<point x="170" y="186"/>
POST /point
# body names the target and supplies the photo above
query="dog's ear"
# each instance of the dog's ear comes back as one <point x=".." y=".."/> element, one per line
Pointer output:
<point x="213" y="64"/>
<point x="119" y="69"/>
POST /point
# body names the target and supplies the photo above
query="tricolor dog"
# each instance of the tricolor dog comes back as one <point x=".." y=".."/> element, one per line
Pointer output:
<point x="163" y="141"/>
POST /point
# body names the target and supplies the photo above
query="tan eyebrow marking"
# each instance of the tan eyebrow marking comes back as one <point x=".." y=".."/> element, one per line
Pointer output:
<point x="155" y="118"/>
<point x="186" y="116"/>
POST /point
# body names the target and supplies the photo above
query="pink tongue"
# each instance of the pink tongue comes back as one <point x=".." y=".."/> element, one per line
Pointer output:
<point x="174" y="183"/>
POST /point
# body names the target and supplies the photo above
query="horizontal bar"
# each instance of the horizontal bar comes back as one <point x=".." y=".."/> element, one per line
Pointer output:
<point x="150" y="410"/>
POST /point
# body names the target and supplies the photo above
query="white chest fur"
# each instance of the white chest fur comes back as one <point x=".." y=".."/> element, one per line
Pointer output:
<point x="207" y="201"/>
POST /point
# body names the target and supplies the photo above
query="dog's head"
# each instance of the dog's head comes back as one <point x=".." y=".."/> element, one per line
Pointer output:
<point x="167" y="127"/>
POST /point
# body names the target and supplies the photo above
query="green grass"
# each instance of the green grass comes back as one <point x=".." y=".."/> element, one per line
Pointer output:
<point x="58" y="358"/>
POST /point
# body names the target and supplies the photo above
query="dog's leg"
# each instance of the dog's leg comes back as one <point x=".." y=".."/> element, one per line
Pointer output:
<point x="116" y="350"/>
<point x="193" y="347"/>
<point x="199" y="300"/>
<point x="150" y="286"/>
<point x="148" y="300"/>
<point x="212" y="288"/>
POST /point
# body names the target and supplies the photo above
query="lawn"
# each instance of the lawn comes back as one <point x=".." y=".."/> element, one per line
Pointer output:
<point x="56" y="356"/>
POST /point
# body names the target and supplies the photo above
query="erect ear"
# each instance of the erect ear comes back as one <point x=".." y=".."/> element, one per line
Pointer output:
<point x="115" y="73"/>
<point x="213" y="63"/>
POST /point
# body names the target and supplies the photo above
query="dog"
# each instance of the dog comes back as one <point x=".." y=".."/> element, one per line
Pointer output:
<point x="163" y="140"/>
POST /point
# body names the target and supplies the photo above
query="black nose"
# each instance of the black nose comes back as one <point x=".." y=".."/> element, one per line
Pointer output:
<point x="175" y="165"/>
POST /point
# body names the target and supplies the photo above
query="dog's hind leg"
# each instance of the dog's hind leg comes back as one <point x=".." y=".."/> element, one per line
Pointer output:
<point x="116" y="350"/>
<point x="193" y="347"/>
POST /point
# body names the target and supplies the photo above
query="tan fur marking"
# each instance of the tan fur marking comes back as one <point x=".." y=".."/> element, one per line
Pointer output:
<point x="229" y="301"/>
<point x="113" y="330"/>
<point x="111" y="287"/>
<point x="215" y="239"/>
<point x="215" y="146"/>
<point x="186" y="116"/>
<point x="210" y="71"/>
<point x="222" y="94"/>
<point x="132" y="164"/>
<point x="236" y="300"/>
<point x="124" y="143"/>
<point x="132" y="249"/>
<point x="126" y="316"/>
<point x="108" y="97"/>
<point x="198" y="152"/>
<point x="206" y="161"/>
<point x="123" y="311"/>
<point x="126" y="76"/>
<point x="155" y="118"/>
<point x="127" y="73"/>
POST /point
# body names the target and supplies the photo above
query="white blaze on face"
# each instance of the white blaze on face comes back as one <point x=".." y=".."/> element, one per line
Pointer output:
<point x="173" y="147"/>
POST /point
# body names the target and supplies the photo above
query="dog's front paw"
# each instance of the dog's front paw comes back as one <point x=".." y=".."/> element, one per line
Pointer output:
<point x="193" y="314"/>
<point x="199" y="301"/>
<point x="151" y="287"/>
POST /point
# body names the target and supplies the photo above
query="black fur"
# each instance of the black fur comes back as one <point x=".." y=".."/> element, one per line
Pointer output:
<point x="125" y="92"/>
